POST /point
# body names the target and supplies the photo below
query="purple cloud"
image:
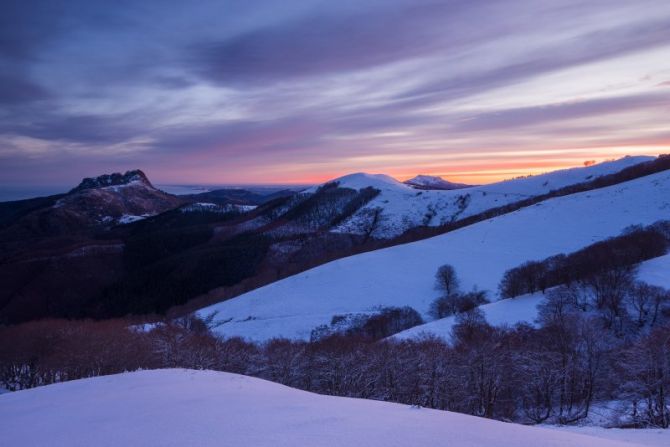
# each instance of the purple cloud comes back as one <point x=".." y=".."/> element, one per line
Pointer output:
<point x="313" y="85"/>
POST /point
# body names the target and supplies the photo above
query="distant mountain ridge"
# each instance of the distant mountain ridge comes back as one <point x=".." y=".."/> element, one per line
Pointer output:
<point x="404" y="274"/>
<point x="114" y="179"/>
<point x="105" y="200"/>
<point x="117" y="245"/>
<point x="400" y="207"/>
<point x="433" y="182"/>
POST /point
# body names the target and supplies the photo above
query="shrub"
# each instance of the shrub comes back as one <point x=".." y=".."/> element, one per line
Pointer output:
<point x="447" y="305"/>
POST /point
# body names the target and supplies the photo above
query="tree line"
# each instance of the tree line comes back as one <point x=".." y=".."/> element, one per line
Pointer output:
<point x="595" y="263"/>
<point x="554" y="373"/>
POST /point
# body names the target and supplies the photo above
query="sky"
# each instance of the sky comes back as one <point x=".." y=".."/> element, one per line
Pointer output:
<point x="287" y="91"/>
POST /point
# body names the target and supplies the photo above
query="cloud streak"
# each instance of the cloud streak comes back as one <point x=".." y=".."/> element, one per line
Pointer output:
<point x="294" y="90"/>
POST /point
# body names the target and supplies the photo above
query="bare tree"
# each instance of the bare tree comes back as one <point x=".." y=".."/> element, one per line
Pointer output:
<point x="372" y="219"/>
<point x="446" y="280"/>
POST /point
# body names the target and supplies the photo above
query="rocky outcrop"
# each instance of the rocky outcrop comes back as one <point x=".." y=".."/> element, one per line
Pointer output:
<point x="115" y="179"/>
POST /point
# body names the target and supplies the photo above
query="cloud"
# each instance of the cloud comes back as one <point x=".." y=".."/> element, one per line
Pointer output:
<point x="530" y="116"/>
<point x="14" y="89"/>
<point x="579" y="50"/>
<point x="324" y="43"/>
<point x="292" y="86"/>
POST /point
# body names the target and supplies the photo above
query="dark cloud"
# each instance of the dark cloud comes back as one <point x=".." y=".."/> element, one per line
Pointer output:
<point x="267" y="82"/>
<point x="24" y="27"/>
<point x="580" y="50"/>
<point x="16" y="89"/>
<point x="530" y="116"/>
<point x="98" y="129"/>
<point x="332" y="43"/>
<point x="242" y="138"/>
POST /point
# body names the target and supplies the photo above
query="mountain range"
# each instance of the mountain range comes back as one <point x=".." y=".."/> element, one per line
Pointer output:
<point x="115" y="244"/>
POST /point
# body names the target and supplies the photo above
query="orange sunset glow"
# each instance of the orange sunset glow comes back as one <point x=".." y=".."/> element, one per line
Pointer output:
<point x="258" y="102"/>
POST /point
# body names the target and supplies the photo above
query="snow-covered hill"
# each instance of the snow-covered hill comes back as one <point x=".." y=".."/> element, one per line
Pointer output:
<point x="524" y="308"/>
<point x="433" y="182"/>
<point x="480" y="253"/>
<point x="206" y="408"/>
<point x="403" y="207"/>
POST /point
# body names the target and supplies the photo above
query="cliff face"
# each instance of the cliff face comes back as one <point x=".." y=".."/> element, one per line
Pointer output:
<point x="101" y="201"/>
<point x="114" y="179"/>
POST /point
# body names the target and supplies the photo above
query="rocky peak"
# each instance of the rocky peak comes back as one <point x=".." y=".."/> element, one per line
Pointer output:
<point x="115" y="179"/>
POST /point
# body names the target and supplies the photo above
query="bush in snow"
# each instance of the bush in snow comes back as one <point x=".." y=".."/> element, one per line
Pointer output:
<point x="456" y="303"/>
<point x="386" y="322"/>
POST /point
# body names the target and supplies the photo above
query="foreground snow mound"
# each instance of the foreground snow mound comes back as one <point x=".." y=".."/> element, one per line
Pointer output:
<point x="206" y="408"/>
<point x="404" y="275"/>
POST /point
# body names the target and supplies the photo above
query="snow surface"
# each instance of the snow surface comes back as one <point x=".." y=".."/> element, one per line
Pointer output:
<point x="656" y="272"/>
<point x="130" y="218"/>
<point x="361" y="180"/>
<point x="215" y="208"/>
<point x="205" y="408"/>
<point x="523" y="309"/>
<point x="404" y="275"/>
<point x="652" y="437"/>
<point x="404" y="207"/>
<point x="507" y="312"/>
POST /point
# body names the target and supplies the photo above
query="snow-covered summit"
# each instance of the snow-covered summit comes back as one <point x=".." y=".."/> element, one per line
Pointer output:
<point x="403" y="207"/>
<point x="360" y="180"/>
<point x="433" y="182"/>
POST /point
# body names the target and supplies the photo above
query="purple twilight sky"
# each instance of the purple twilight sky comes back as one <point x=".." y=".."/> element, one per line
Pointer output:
<point x="301" y="91"/>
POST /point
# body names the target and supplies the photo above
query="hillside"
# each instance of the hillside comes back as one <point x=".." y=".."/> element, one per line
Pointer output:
<point x="116" y="245"/>
<point x="185" y="407"/>
<point x="97" y="202"/>
<point x="403" y="207"/>
<point x="480" y="253"/>
<point x="524" y="308"/>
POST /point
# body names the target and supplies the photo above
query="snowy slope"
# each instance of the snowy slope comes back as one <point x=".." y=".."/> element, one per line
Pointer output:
<point x="480" y="253"/>
<point x="524" y="308"/>
<point x="504" y="312"/>
<point x="404" y="207"/>
<point x="656" y="271"/>
<point x="652" y="437"/>
<point x="207" y="408"/>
